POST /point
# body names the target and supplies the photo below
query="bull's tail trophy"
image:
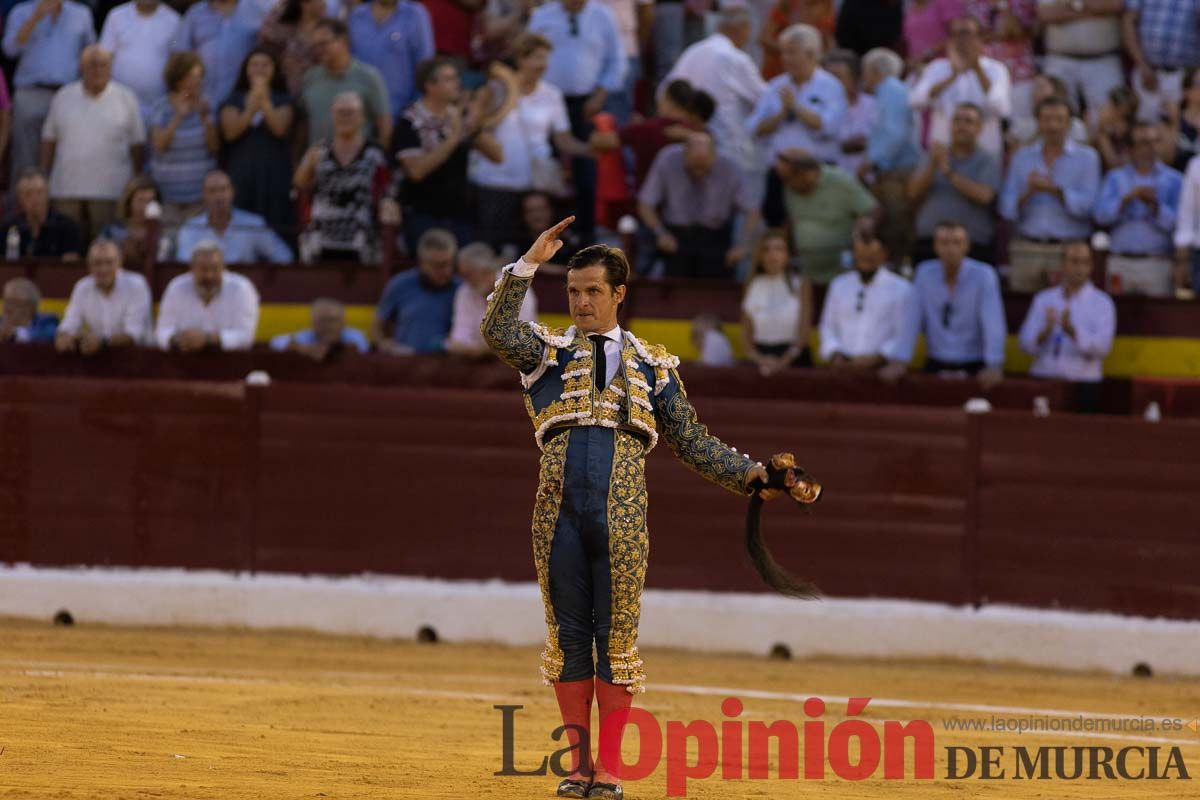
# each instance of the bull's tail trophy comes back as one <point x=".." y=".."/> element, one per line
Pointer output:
<point x="782" y="474"/>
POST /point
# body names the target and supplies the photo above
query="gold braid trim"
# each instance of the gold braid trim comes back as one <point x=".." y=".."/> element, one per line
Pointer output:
<point x="545" y="517"/>
<point x="628" y="550"/>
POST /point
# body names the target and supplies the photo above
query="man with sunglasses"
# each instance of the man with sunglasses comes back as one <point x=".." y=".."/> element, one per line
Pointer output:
<point x="868" y="313"/>
<point x="960" y="310"/>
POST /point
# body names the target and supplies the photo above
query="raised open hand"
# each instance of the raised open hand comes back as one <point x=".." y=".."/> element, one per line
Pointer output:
<point x="546" y="245"/>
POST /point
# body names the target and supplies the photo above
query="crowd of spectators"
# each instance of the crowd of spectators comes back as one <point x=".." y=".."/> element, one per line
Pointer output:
<point x="910" y="157"/>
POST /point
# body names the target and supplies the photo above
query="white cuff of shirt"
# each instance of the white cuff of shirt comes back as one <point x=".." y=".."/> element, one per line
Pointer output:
<point x="521" y="269"/>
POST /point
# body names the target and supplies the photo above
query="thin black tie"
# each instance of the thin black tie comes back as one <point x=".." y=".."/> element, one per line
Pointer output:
<point x="599" y="359"/>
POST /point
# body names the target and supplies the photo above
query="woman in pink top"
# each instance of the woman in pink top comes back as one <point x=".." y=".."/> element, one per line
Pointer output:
<point x="925" y="23"/>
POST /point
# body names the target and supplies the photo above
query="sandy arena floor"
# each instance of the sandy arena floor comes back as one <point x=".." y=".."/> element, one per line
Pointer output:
<point x="96" y="712"/>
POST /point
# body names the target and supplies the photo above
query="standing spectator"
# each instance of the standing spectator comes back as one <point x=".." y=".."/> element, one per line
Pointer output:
<point x="689" y="201"/>
<point x="958" y="182"/>
<point x="1048" y="194"/>
<point x="328" y="337"/>
<point x="243" y="237"/>
<point x="184" y="138"/>
<point x="21" y="321"/>
<point x="139" y="34"/>
<point x="93" y="142"/>
<point x="109" y="307"/>
<point x="860" y="109"/>
<point x="394" y="37"/>
<point x="1069" y="328"/>
<point x="290" y="34"/>
<point x="1183" y="124"/>
<point x="634" y="19"/>
<point x="1083" y="48"/>
<point x="1008" y="32"/>
<point x="454" y="24"/>
<point x="1163" y="39"/>
<point x="347" y="177"/>
<point x="417" y="306"/>
<point x="587" y="64"/>
<point x="338" y="73"/>
<point x="777" y="309"/>
<point x="131" y="230"/>
<point x="719" y="66"/>
<point x="434" y="137"/>
<point x="1114" y="123"/>
<point x="44" y="232"/>
<point x="863" y="25"/>
<point x="502" y="22"/>
<point x="1024" y="131"/>
<point x="960" y="310"/>
<point x="256" y="123"/>
<point x="866" y="321"/>
<point x="525" y="135"/>
<point x="1141" y="202"/>
<point x="207" y="307"/>
<point x="668" y="37"/>
<point x="965" y="75"/>
<point x="926" y="23"/>
<point x="822" y="204"/>
<point x="46" y="38"/>
<point x="802" y="108"/>
<point x="478" y="268"/>
<point x="817" y="14"/>
<point x="891" y="152"/>
<point x="221" y="32"/>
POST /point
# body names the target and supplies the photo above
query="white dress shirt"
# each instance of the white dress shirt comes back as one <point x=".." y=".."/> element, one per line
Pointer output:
<point x="124" y="309"/>
<point x="966" y="88"/>
<point x="868" y="319"/>
<point x="1078" y="358"/>
<point x="232" y="313"/>
<point x="732" y="78"/>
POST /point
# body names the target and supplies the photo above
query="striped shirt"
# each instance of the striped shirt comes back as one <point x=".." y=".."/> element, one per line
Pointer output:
<point x="179" y="171"/>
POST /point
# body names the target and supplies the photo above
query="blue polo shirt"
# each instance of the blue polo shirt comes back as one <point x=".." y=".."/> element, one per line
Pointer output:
<point x="394" y="47"/>
<point x="420" y="312"/>
<point x="51" y="56"/>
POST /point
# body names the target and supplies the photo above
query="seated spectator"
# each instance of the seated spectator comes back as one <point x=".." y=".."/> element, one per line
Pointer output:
<point x="207" y="307"/>
<point x="957" y="182"/>
<point x="131" y="229"/>
<point x="290" y="34"/>
<point x="821" y="204"/>
<point x="777" y="309"/>
<point x="221" y="33"/>
<point x="337" y="74"/>
<point x="393" y="37"/>
<point x="109" y="307"/>
<point x="960" y="310"/>
<point x="478" y="268"/>
<point x="891" y="152"/>
<point x="139" y="34"/>
<point x="1069" y="328"/>
<point x="1048" y="193"/>
<point x="44" y="233"/>
<point x="866" y="321"/>
<point x="1182" y="140"/>
<point x="1114" y="124"/>
<point x="244" y="238"/>
<point x="417" y="306"/>
<point x="689" y="201"/>
<point x="525" y="135"/>
<point x="538" y="214"/>
<point x="93" y="142"/>
<point x="327" y="338"/>
<point x="803" y="107"/>
<point x="1024" y="131"/>
<point x="256" y="125"/>
<point x="20" y="320"/>
<point x="860" y="108"/>
<point x="965" y="75"/>
<point x="184" y="138"/>
<point x="347" y="178"/>
<point x="1140" y="201"/>
<point x="712" y="346"/>
<point x="434" y="137"/>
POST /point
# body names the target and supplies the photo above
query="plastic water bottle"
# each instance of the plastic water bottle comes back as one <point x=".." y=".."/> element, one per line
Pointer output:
<point x="1041" y="406"/>
<point x="12" y="244"/>
<point x="1153" y="412"/>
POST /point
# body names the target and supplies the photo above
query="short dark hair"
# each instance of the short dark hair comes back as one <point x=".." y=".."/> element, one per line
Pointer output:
<point x="680" y="92"/>
<point x="334" y="26"/>
<point x="967" y="104"/>
<point x="428" y="68"/>
<point x="616" y="265"/>
<point x="1053" y="101"/>
<point x="702" y="105"/>
<point x="949" y="225"/>
<point x="846" y="57"/>
<point x="178" y="66"/>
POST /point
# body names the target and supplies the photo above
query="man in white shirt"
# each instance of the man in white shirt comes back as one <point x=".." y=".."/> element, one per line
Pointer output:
<point x="207" y="307"/>
<point x="109" y="307"/>
<point x="1069" y="328"/>
<point x="93" y="142"/>
<point x="868" y="313"/>
<point x="965" y="75"/>
<point x="139" y="35"/>
<point x="719" y="66"/>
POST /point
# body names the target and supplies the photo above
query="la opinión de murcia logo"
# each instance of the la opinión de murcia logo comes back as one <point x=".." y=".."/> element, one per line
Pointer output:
<point x="904" y="751"/>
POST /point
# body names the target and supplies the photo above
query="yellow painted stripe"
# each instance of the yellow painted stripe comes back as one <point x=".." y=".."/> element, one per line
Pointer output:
<point x="1131" y="355"/>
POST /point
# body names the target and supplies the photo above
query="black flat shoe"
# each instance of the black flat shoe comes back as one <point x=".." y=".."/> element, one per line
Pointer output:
<point x="573" y="788"/>
<point x="606" y="791"/>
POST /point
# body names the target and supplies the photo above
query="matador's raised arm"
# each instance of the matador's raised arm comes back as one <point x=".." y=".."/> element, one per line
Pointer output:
<point x="505" y="332"/>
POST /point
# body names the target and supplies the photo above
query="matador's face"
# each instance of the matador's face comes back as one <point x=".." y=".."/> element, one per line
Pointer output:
<point x="593" y="300"/>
